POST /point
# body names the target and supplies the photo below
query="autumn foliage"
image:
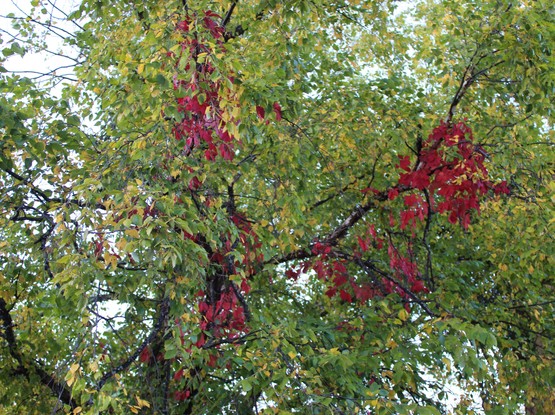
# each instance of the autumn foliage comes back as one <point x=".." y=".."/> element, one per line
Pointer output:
<point x="278" y="207"/>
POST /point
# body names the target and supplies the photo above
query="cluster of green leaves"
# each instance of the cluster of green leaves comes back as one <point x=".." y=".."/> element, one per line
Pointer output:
<point x="105" y="245"/>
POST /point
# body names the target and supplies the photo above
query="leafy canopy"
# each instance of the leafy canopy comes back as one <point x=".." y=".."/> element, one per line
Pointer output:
<point x="278" y="207"/>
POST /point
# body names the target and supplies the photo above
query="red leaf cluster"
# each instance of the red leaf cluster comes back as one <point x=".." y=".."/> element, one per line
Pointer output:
<point x="225" y="318"/>
<point x="451" y="170"/>
<point x="336" y="275"/>
<point x="449" y="177"/>
<point x="202" y="125"/>
<point x="404" y="269"/>
<point x="261" y="112"/>
<point x="180" y="396"/>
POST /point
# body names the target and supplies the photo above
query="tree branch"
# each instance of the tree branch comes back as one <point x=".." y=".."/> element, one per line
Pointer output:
<point x="227" y="17"/>
<point x="25" y="369"/>
<point x="40" y="194"/>
<point x="468" y="78"/>
<point x="369" y="267"/>
<point x="341" y="230"/>
<point x="158" y="327"/>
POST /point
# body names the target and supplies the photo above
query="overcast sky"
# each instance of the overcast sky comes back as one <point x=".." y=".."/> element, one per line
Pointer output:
<point x="50" y="13"/>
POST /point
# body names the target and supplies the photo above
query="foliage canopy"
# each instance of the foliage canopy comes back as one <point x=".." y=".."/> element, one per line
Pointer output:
<point x="320" y="207"/>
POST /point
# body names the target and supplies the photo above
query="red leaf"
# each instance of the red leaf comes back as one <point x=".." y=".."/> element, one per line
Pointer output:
<point x="331" y="292"/>
<point x="406" y="217"/>
<point x="404" y="163"/>
<point x="411" y="200"/>
<point x="320" y="248"/>
<point x="260" y="112"/>
<point x="321" y="272"/>
<point x="363" y="292"/>
<point x="345" y="296"/>
<point x="393" y="193"/>
<point x="201" y="341"/>
<point x="277" y="110"/>
<point x="245" y="287"/>
<point x="391" y="220"/>
<point x="226" y="151"/>
<point x="203" y="307"/>
<point x="145" y="355"/>
<point x="215" y="29"/>
<point x="418" y="287"/>
<point x="98" y="247"/>
<point x="212" y="360"/>
<point x="211" y="153"/>
<point x="194" y="183"/>
<point x="182" y="395"/>
<point x="502" y="188"/>
<point x="339" y="267"/>
<point x="292" y="274"/>
<point x="178" y="375"/>
<point x="210" y="13"/>
<point x="340" y="280"/>
<point x="183" y="25"/>
<point x="362" y="243"/>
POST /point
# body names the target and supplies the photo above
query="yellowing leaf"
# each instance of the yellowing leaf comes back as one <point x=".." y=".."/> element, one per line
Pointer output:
<point x="134" y="233"/>
<point x="74" y="368"/>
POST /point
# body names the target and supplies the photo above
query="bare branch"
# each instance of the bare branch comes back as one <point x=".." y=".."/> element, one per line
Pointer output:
<point x="227" y="17"/>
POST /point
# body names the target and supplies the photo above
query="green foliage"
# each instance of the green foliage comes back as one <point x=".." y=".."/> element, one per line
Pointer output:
<point x="233" y="207"/>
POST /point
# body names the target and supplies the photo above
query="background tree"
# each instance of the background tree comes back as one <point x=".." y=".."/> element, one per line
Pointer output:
<point x="279" y="207"/>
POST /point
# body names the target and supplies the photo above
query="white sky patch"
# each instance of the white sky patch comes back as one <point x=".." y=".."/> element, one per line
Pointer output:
<point x="47" y="56"/>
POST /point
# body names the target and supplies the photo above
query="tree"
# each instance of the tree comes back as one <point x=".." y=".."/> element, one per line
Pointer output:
<point x="279" y="207"/>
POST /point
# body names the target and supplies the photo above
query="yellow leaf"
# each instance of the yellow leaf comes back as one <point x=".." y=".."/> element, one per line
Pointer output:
<point x="392" y="344"/>
<point x="77" y="410"/>
<point x="388" y="374"/>
<point x="93" y="366"/>
<point x="134" y="233"/>
<point x="74" y="368"/>
<point x="139" y="144"/>
<point x="335" y="351"/>
<point x="121" y="244"/>
<point x="113" y="261"/>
